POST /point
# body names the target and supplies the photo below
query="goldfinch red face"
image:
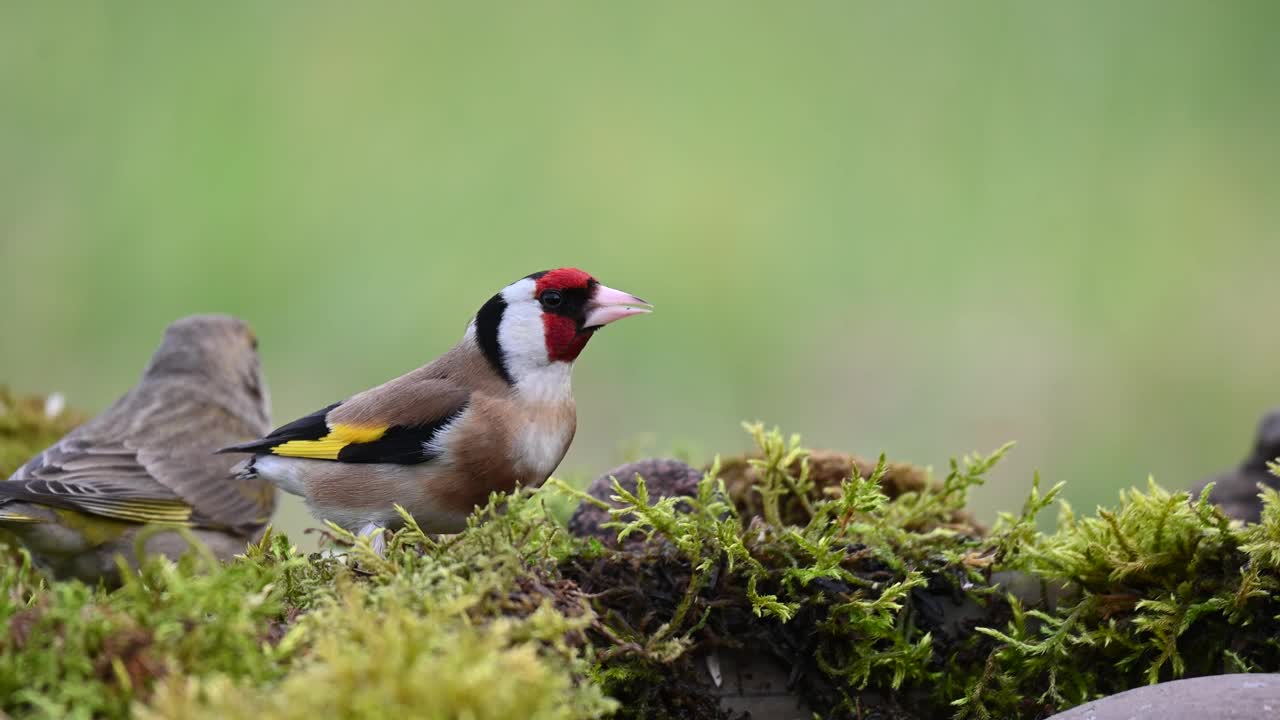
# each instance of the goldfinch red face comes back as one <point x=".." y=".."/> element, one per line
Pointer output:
<point x="547" y="318"/>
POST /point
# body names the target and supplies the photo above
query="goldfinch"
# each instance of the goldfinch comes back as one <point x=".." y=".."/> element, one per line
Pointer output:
<point x="1237" y="490"/>
<point x="149" y="459"/>
<point x="494" y="412"/>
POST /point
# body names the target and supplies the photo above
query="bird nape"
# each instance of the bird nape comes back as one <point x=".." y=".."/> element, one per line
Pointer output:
<point x="494" y="412"/>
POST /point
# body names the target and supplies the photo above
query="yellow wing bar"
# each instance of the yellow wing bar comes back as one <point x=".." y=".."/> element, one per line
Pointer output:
<point x="328" y="447"/>
<point x="160" y="512"/>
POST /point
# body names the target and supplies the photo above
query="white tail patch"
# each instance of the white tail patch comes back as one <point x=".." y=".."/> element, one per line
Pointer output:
<point x="285" y="473"/>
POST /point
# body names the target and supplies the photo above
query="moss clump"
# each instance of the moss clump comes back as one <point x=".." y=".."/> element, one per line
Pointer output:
<point x="849" y="597"/>
<point x="392" y="657"/>
<point x="866" y="580"/>
<point x="434" y="627"/>
<point x="758" y="488"/>
<point x="1165" y="588"/>
<point x="73" y="651"/>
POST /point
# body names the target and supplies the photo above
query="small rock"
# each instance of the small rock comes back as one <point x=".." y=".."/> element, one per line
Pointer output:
<point x="1223" y="697"/>
<point x="753" y="683"/>
<point x="663" y="478"/>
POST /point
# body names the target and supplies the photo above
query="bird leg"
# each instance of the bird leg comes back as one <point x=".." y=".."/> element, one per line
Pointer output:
<point x="376" y="534"/>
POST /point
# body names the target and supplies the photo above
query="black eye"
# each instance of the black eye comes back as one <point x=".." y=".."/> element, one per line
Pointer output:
<point x="550" y="299"/>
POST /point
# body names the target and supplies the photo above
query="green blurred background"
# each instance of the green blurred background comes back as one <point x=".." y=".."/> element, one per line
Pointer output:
<point x="924" y="228"/>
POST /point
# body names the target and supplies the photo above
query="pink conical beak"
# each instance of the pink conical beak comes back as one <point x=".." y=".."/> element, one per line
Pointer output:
<point x="608" y="305"/>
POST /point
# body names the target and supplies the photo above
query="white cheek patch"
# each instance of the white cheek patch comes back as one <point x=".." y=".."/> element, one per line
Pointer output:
<point x="521" y="334"/>
<point x="523" y="338"/>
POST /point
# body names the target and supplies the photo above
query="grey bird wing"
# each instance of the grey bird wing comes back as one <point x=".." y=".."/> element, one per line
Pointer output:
<point x="148" y="459"/>
<point x="99" y="478"/>
<point x="207" y="483"/>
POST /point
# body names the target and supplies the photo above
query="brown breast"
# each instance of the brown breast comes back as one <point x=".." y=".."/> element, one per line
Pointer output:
<point x="500" y="445"/>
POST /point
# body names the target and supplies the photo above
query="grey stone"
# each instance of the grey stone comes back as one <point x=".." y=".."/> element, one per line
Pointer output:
<point x="751" y="683"/>
<point x="663" y="477"/>
<point x="1220" y="697"/>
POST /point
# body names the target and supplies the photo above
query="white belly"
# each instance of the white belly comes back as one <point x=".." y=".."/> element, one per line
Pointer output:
<point x="541" y="448"/>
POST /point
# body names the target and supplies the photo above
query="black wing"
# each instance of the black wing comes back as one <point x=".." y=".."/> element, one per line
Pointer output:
<point x="309" y="427"/>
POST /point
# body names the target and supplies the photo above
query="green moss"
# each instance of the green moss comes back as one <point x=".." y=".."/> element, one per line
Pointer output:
<point x="400" y="658"/>
<point x="74" y="651"/>
<point x="875" y="590"/>
<point x="834" y="597"/>
<point x="1166" y="587"/>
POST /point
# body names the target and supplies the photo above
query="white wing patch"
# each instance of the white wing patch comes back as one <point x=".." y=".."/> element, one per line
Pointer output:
<point x="438" y="446"/>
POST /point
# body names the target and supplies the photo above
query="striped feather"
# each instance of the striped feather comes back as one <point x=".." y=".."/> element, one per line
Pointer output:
<point x="101" y="498"/>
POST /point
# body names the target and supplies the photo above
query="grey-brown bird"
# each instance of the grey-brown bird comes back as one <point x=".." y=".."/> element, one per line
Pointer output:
<point x="494" y="412"/>
<point x="149" y="459"/>
<point x="1237" y="491"/>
